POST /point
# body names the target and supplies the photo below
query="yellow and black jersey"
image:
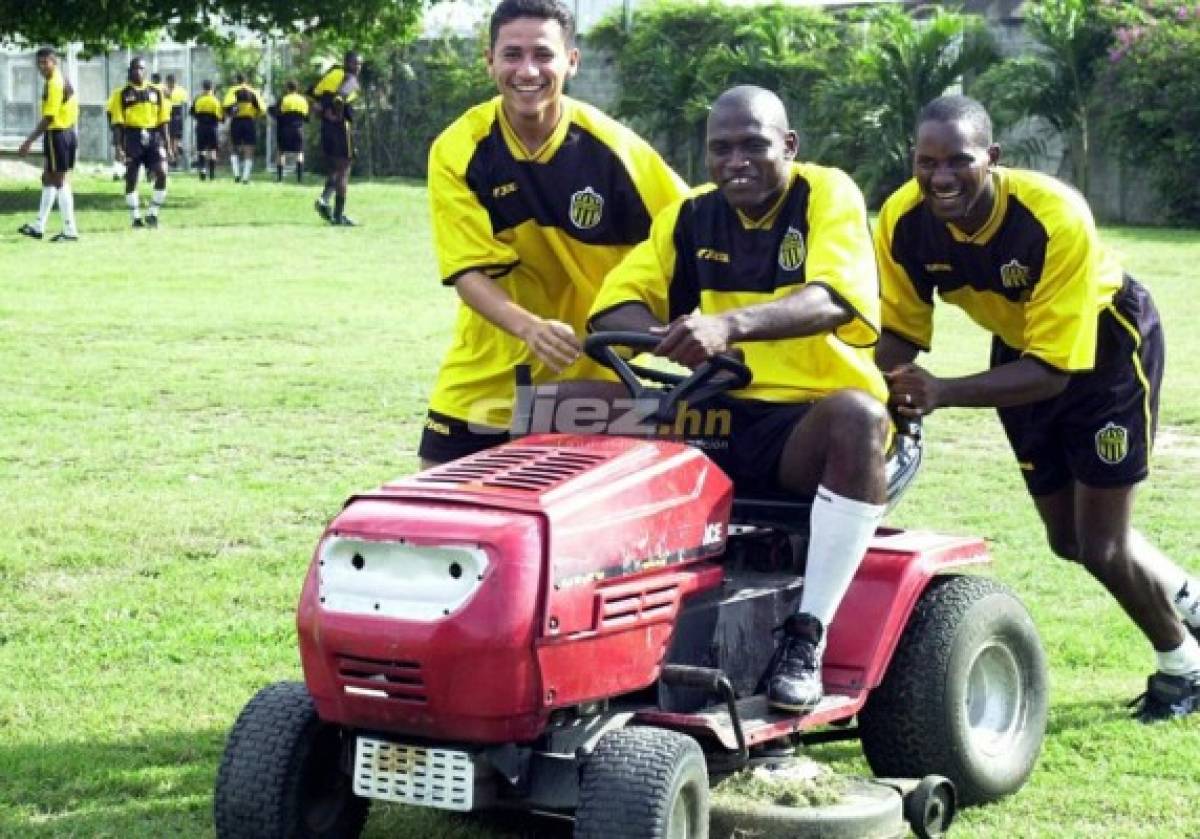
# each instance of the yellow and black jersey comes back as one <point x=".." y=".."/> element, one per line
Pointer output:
<point x="1035" y="275"/>
<point x="336" y="93"/>
<point x="703" y="253"/>
<point x="207" y="109"/>
<point x="178" y="97"/>
<point x="243" y="102"/>
<point x="59" y="102"/>
<point x="291" y="111"/>
<point x="139" y="106"/>
<point x="546" y="226"/>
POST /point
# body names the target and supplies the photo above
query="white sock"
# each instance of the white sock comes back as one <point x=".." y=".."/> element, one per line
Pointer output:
<point x="157" y="199"/>
<point x="247" y="165"/>
<point x="839" y="534"/>
<point x="49" y="193"/>
<point x="66" y="206"/>
<point x="236" y="163"/>
<point x="1184" y="660"/>
<point x="1183" y="589"/>
<point x="131" y="201"/>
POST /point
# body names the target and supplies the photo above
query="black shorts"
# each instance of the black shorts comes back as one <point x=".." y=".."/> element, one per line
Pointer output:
<point x="337" y="139"/>
<point x="59" y="146"/>
<point x="1099" y="431"/>
<point x="143" y="147"/>
<point x="745" y="437"/>
<point x="291" y="140"/>
<point x="446" y="438"/>
<point x="176" y="127"/>
<point x="206" y="136"/>
<point x="241" y="131"/>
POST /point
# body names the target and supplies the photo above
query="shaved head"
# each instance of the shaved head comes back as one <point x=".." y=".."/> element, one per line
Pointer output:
<point x="757" y="103"/>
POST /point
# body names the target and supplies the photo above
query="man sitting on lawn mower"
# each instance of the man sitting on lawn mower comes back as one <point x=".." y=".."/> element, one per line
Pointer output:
<point x="775" y="259"/>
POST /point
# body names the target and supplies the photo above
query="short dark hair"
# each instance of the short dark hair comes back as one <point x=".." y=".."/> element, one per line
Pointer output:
<point x="45" y="52"/>
<point x="956" y="108"/>
<point x="206" y="84"/>
<point x="510" y="10"/>
<point x="170" y="77"/>
<point x="156" y="77"/>
<point x="291" y="86"/>
<point x="240" y="78"/>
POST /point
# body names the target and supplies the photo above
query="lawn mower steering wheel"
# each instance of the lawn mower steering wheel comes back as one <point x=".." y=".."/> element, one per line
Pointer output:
<point x="721" y="373"/>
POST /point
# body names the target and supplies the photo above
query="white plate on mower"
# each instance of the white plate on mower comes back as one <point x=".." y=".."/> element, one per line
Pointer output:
<point x="420" y="775"/>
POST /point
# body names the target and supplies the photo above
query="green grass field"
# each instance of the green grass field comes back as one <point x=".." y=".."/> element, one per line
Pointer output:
<point x="182" y="410"/>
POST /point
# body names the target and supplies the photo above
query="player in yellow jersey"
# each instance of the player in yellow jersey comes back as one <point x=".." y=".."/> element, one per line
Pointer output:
<point x="178" y="97"/>
<point x="1077" y="362"/>
<point x="59" y="114"/>
<point x="290" y="113"/>
<point x="774" y="259"/>
<point x="208" y="114"/>
<point x="139" y="113"/>
<point x="333" y="98"/>
<point x="534" y="198"/>
<point x="245" y="107"/>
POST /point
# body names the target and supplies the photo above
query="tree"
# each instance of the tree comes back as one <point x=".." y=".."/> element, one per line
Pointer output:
<point x="678" y="56"/>
<point x="102" y="24"/>
<point x="870" y="109"/>
<point x="1058" y="82"/>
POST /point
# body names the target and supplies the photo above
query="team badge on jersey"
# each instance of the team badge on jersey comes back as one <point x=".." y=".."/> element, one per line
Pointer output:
<point x="1112" y="443"/>
<point x="792" y="250"/>
<point x="1014" y="275"/>
<point x="587" y="207"/>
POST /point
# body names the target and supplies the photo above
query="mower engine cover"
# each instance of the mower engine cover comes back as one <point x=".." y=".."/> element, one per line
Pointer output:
<point x="469" y="601"/>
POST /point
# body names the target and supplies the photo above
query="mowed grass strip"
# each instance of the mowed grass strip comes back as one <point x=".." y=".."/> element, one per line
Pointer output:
<point x="183" y="410"/>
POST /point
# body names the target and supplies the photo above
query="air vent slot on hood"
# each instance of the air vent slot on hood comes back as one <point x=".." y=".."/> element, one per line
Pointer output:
<point x="530" y="469"/>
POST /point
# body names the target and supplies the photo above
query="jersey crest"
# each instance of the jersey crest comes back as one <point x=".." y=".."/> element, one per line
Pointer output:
<point x="1112" y="443"/>
<point x="587" y="208"/>
<point x="792" y="250"/>
<point x="1014" y="275"/>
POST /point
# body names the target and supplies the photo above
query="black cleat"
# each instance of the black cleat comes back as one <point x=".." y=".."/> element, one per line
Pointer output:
<point x="65" y="237"/>
<point x="1167" y="697"/>
<point x="137" y="222"/>
<point x="203" y="175"/>
<point x="30" y="231"/>
<point x="794" y="683"/>
<point x="323" y="210"/>
<point x="343" y="221"/>
<point x="152" y="221"/>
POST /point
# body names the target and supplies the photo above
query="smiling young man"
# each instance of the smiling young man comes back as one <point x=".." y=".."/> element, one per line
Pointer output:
<point x="776" y="256"/>
<point x="1077" y="362"/>
<point x="59" y="114"/>
<point x="535" y="197"/>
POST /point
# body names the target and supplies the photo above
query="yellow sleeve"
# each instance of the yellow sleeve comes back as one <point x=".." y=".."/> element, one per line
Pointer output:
<point x="656" y="182"/>
<point x="329" y="83"/>
<point x="229" y="99"/>
<point x="164" y="108"/>
<point x="840" y="256"/>
<point x="115" y="112"/>
<point x="462" y="229"/>
<point x="1060" y="318"/>
<point x="645" y="274"/>
<point x="53" y="99"/>
<point x="903" y="310"/>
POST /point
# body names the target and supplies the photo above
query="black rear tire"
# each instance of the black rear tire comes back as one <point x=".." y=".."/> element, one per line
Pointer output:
<point x="281" y="776"/>
<point x="643" y="783"/>
<point x="965" y="695"/>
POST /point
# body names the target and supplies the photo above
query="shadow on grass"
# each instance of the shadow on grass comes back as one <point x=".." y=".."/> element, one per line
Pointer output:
<point x="159" y="785"/>
<point x="162" y="784"/>
<point x="26" y="201"/>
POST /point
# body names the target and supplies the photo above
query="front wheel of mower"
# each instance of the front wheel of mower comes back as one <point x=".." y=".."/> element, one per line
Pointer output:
<point x="965" y="695"/>
<point x="281" y="775"/>
<point x="643" y="783"/>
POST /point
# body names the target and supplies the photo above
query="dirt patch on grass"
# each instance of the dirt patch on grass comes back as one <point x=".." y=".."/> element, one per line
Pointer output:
<point x="19" y="170"/>
<point x="1176" y="443"/>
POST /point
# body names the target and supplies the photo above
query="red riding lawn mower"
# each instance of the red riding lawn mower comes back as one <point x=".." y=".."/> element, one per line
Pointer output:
<point x="579" y="625"/>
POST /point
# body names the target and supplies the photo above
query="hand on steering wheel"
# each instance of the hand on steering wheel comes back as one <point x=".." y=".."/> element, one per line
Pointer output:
<point x="720" y="373"/>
